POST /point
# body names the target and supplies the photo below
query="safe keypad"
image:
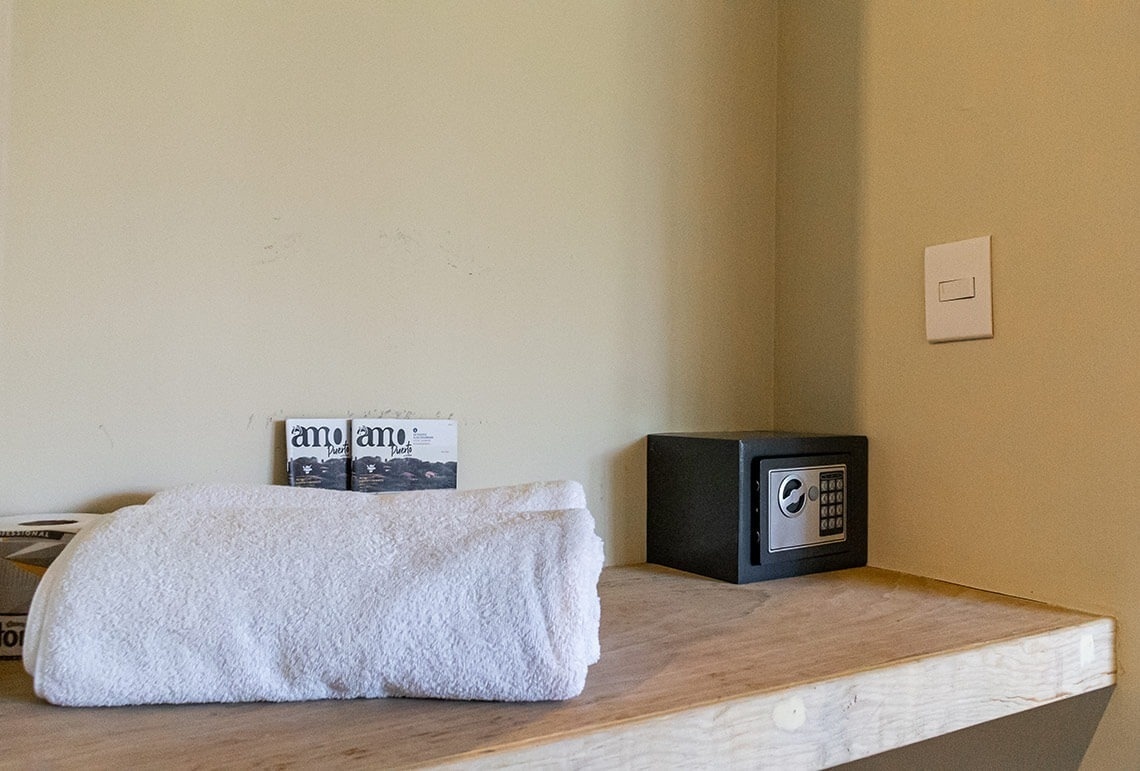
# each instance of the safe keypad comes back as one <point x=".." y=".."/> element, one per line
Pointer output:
<point x="831" y="503"/>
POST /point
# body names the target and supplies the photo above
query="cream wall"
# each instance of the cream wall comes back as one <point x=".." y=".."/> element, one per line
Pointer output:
<point x="552" y="222"/>
<point x="1005" y="463"/>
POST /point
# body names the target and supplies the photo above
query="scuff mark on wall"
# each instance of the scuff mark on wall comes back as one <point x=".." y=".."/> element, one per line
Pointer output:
<point x="412" y="242"/>
<point x="107" y="434"/>
<point x="292" y="244"/>
<point x="271" y="419"/>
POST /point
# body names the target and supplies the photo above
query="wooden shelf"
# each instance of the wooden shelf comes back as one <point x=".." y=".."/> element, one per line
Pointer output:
<point x="801" y="673"/>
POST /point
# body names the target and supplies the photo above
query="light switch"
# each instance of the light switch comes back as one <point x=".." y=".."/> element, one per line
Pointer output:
<point x="959" y="304"/>
<point x="957" y="289"/>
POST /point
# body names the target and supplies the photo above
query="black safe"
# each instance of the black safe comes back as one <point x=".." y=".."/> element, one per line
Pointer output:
<point x="753" y="505"/>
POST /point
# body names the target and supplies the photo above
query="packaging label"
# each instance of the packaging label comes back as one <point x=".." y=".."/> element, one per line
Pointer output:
<point x="12" y="636"/>
<point x="28" y="545"/>
<point x="317" y="452"/>
<point x="389" y="455"/>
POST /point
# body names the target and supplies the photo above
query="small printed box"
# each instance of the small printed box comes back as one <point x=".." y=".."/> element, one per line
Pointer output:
<point x="28" y="545"/>
<point x="316" y="452"/>
<point x="391" y="455"/>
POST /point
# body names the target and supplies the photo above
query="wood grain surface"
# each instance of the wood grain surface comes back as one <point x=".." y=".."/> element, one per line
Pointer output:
<point x="802" y="672"/>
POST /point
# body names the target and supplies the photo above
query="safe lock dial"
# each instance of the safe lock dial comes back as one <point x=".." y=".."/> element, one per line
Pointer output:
<point x="792" y="496"/>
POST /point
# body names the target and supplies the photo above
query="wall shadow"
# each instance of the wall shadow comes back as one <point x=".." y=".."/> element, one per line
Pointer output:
<point x="107" y="503"/>
<point x="818" y="221"/>
<point x="1049" y="738"/>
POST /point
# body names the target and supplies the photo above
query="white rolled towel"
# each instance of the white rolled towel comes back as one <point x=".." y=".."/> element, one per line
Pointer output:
<point x="229" y="593"/>
<point x="535" y="496"/>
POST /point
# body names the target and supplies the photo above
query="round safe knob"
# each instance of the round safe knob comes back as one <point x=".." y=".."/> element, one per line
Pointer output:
<point x="792" y="496"/>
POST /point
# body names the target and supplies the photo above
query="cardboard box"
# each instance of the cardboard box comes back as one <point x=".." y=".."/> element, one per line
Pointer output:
<point x="317" y="452"/>
<point x="392" y="455"/>
<point x="28" y="545"/>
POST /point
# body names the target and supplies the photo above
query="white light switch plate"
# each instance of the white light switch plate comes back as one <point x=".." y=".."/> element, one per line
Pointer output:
<point x="959" y="304"/>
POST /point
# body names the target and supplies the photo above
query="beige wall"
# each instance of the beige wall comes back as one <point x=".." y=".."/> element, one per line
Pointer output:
<point x="1005" y="463"/>
<point x="553" y="222"/>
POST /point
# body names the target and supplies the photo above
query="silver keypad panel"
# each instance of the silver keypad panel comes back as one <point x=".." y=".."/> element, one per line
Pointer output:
<point x="807" y="506"/>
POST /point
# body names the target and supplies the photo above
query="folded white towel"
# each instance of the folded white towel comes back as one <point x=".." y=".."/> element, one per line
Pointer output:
<point x="258" y="593"/>
<point x="536" y="496"/>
